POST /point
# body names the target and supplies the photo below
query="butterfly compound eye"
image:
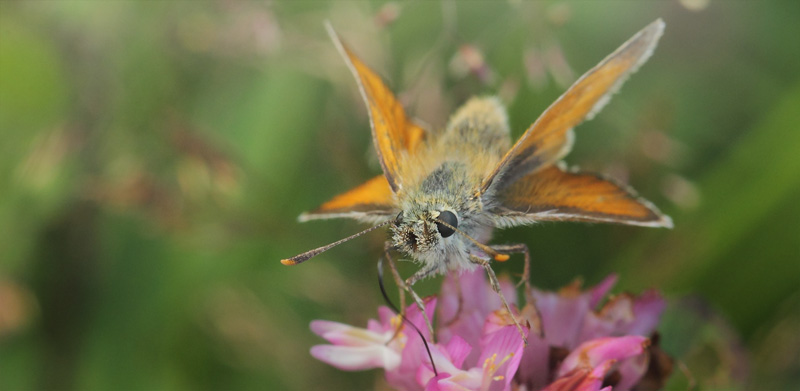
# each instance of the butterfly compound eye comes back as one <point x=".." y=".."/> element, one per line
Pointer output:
<point x="449" y="218"/>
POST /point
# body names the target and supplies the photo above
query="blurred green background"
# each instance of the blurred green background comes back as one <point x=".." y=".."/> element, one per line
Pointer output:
<point x="155" y="155"/>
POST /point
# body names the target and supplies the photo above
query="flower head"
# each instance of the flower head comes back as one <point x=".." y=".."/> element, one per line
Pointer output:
<point x="477" y="346"/>
<point x="380" y="345"/>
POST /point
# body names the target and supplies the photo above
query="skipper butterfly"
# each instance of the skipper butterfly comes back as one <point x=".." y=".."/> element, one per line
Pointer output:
<point x="442" y="193"/>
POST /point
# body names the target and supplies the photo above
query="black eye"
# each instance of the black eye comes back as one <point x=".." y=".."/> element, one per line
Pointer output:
<point x="449" y="218"/>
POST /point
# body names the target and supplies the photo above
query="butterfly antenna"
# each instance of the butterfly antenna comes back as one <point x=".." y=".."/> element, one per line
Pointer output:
<point x="496" y="255"/>
<point x="396" y="310"/>
<point x="300" y="258"/>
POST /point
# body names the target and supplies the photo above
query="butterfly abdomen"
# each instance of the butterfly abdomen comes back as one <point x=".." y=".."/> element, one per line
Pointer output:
<point x="482" y="124"/>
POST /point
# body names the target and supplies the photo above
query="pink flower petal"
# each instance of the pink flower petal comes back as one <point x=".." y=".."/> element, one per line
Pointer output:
<point x="625" y="315"/>
<point x="601" y="290"/>
<point x="582" y="379"/>
<point x="342" y="334"/>
<point x="631" y="371"/>
<point x="534" y="366"/>
<point x="403" y="377"/>
<point x="466" y="317"/>
<point x="647" y="309"/>
<point x="445" y="382"/>
<point x="375" y="326"/>
<point x="350" y="358"/>
<point x="321" y="327"/>
<point x="458" y="349"/>
<point x="595" y="378"/>
<point x="444" y="365"/>
<point x="433" y="383"/>
<point x="465" y="292"/>
<point x="468" y="326"/>
<point x="615" y="316"/>
<point x="414" y="315"/>
<point x="591" y="354"/>
<point x="501" y="352"/>
<point x="499" y="360"/>
<point x="562" y="317"/>
<point x="385" y="316"/>
<point x="498" y="320"/>
<point x="450" y="298"/>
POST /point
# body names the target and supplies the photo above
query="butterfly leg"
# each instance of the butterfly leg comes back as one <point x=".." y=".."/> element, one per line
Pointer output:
<point x="406" y="287"/>
<point x="398" y="281"/>
<point x="535" y="317"/>
<point x="516" y="249"/>
<point x="387" y="247"/>
<point x="496" y="287"/>
<point x="420" y="275"/>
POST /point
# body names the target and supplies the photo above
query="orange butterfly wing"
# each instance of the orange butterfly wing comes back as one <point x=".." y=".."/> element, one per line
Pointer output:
<point x="392" y="132"/>
<point x="372" y="201"/>
<point x="555" y="195"/>
<point x="550" y="138"/>
<point x="393" y="135"/>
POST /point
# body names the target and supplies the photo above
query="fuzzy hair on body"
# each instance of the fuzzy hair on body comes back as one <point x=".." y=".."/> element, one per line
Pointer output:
<point x="446" y="176"/>
<point x="442" y="193"/>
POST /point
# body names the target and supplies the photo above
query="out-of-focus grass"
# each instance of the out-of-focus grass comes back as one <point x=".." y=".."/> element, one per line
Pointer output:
<point x="154" y="157"/>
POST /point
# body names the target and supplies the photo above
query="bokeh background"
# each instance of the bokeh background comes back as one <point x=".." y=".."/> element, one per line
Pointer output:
<point x="154" y="156"/>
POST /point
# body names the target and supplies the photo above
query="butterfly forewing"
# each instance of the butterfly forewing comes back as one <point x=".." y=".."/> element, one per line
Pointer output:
<point x="549" y="138"/>
<point x="393" y="135"/>
<point x="392" y="132"/>
<point x="552" y="194"/>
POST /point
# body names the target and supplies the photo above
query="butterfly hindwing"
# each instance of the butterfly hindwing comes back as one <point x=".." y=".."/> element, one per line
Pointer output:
<point x="371" y="201"/>
<point x="550" y="138"/>
<point x="552" y="194"/>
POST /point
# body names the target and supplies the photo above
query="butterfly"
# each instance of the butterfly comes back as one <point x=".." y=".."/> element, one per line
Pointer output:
<point x="442" y="193"/>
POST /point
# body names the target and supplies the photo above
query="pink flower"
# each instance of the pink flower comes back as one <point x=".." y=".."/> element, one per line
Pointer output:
<point x="498" y="359"/>
<point x="377" y="346"/>
<point x="479" y="348"/>
<point x="569" y="322"/>
<point x="587" y="366"/>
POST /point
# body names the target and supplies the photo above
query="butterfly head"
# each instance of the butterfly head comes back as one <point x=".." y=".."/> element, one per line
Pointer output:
<point x="419" y="232"/>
